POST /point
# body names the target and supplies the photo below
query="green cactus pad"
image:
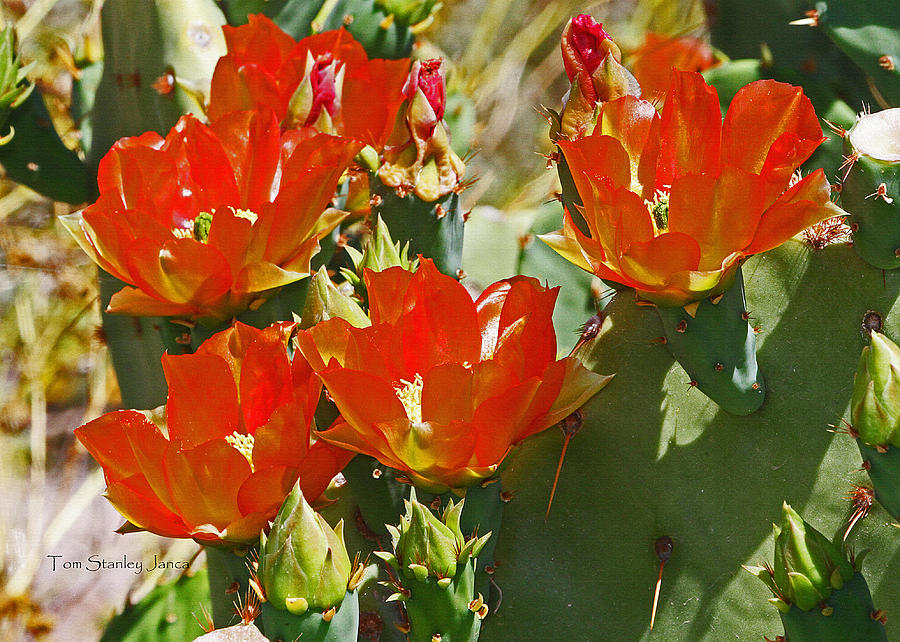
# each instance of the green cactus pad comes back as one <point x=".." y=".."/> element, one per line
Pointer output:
<point x="717" y="348"/>
<point x="850" y="619"/>
<point x="168" y="612"/>
<point x="282" y="625"/>
<point x="36" y="157"/>
<point x="884" y="471"/>
<point x="664" y="460"/>
<point x="868" y="31"/>
<point x="436" y="610"/>
<point x="142" y="40"/>
<point x="381" y="38"/>
<point x="434" y="230"/>
<point x="871" y="191"/>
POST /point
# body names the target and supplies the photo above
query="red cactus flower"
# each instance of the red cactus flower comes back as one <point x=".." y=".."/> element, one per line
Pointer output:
<point x="215" y="463"/>
<point x="441" y="387"/>
<point x="265" y="67"/>
<point x="211" y="220"/>
<point x="674" y="204"/>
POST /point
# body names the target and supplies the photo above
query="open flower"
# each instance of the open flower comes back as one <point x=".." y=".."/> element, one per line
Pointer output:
<point x="674" y="204"/>
<point x="216" y="462"/>
<point x="441" y="387"/>
<point x="324" y="81"/>
<point x="212" y="219"/>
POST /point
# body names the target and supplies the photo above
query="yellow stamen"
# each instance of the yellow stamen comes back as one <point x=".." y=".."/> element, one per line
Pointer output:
<point x="410" y="395"/>
<point x="182" y="232"/>
<point x="243" y="444"/>
<point x="245" y="214"/>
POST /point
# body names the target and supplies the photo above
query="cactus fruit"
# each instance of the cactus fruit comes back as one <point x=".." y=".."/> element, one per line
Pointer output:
<point x="818" y="592"/>
<point x="434" y="573"/>
<point x="875" y="418"/>
<point x="871" y="190"/>
<point x="717" y="348"/>
<point x="306" y="576"/>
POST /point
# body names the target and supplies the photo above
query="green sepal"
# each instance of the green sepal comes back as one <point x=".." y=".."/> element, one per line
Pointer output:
<point x="444" y="609"/>
<point x="850" y="618"/>
<point x="717" y="348"/>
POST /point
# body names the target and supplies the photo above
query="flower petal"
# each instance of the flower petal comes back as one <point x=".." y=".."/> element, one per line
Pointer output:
<point x="804" y="204"/>
<point x="203" y="401"/>
<point x="652" y="263"/>
<point x="690" y="130"/>
<point x="758" y="115"/>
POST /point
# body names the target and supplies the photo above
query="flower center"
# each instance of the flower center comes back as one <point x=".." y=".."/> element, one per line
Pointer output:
<point x="243" y="444"/>
<point x="659" y="209"/>
<point x="199" y="229"/>
<point x="410" y="395"/>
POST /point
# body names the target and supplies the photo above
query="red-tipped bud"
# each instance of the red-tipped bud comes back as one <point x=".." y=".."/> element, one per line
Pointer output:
<point x="428" y="76"/>
<point x="324" y="88"/>
<point x="585" y="44"/>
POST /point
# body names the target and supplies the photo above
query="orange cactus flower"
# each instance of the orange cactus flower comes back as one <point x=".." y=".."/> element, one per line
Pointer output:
<point x="441" y="387"/>
<point x="324" y="81"/>
<point x="659" y="54"/>
<point x="212" y="219"/>
<point x="675" y="203"/>
<point x="216" y="462"/>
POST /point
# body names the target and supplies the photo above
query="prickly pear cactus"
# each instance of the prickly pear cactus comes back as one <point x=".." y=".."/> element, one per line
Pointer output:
<point x="871" y="189"/>
<point x="649" y="462"/>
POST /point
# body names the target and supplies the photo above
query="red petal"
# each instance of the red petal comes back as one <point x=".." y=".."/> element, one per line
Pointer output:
<point x="137" y="502"/>
<point x="597" y="155"/>
<point x="758" y="115"/>
<point x="635" y="123"/>
<point x="447" y="394"/>
<point x="805" y="204"/>
<point x="242" y="88"/>
<point x="371" y="100"/>
<point x="387" y="290"/>
<point x="266" y="382"/>
<point x="690" y="130"/>
<point x="252" y="143"/>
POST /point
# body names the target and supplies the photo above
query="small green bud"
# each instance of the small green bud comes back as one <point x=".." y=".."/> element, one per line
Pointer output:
<point x="324" y="301"/>
<point x="303" y="562"/>
<point x="875" y="403"/>
<point x="807" y="565"/>
<point x="425" y="540"/>
<point x="419" y="572"/>
<point x="379" y="253"/>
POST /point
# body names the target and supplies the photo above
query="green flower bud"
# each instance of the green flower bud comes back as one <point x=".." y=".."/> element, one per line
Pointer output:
<point x="808" y="567"/>
<point x="303" y="563"/>
<point x="324" y="301"/>
<point x="379" y="253"/>
<point x="875" y="404"/>
<point x="423" y="540"/>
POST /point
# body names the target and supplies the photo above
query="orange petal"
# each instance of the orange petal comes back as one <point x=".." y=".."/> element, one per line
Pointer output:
<point x="386" y="290"/>
<point x="137" y="503"/>
<point x="245" y="87"/>
<point x="264" y="491"/>
<point x="721" y="214"/>
<point x="181" y="271"/>
<point x="321" y="464"/>
<point x="690" y="130"/>
<point x="106" y="441"/>
<point x="203" y="402"/>
<point x="252" y="143"/>
<point x="804" y="204"/>
<point x="758" y="115"/>
<point x="371" y="99"/>
<point x="652" y="263"/>
<point x="134" y="302"/>
<point x="205" y="481"/>
<point x="635" y="123"/>
<point x="266" y="383"/>
<point x="282" y="440"/>
<point x="499" y="420"/>
<point x="372" y="443"/>
<point x="596" y="155"/>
